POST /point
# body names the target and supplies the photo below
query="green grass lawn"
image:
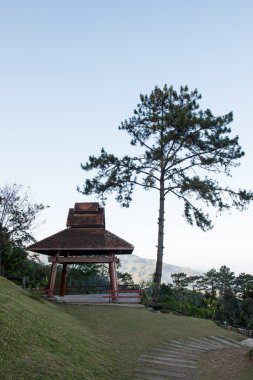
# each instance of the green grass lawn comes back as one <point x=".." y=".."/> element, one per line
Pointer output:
<point x="129" y="332"/>
<point x="40" y="341"/>
<point x="47" y="341"/>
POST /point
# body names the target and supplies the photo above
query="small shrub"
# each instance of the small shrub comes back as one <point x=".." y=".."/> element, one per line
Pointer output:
<point x="172" y="303"/>
<point x="195" y="311"/>
<point x="36" y="295"/>
<point x="250" y="354"/>
<point x="250" y="324"/>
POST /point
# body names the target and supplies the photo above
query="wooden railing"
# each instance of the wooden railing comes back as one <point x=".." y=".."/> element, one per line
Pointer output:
<point x="97" y="289"/>
<point x="94" y="289"/>
<point x="123" y="293"/>
<point x="245" y="332"/>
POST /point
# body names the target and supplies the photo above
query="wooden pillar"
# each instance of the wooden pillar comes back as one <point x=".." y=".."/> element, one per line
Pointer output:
<point x="113" y="280"/>
<point x="116" y="277"/>
<point x="63" y="279"/>
<point x="52" y="279"/>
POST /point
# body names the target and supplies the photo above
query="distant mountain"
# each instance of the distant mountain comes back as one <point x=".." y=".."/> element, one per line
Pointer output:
<point x="142" y="269"/>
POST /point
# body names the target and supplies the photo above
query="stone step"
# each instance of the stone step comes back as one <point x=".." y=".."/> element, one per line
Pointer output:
<point x="231" y="340"/>
<point x="183" y="348"/>
<point x="159" y="377"/>
<point x="167" y="363"/>
<point x="224" y="341"/>
<point x="148" y="377"/>
<point x="169" y="359"/>
<point x="178" y="358"/>
<point x="155" y="377"/>
<point x="177" y="353"/>
<point x="164" y="374"/>
<point x="207" y="343"/>
<point x="190" y="344"/>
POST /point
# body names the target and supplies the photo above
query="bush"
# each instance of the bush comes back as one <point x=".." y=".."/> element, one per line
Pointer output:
<point x="171" y="301"/>
<point x="36" y="294"/>
<point x="194" y="311"/>
<point x="250" y="354"/>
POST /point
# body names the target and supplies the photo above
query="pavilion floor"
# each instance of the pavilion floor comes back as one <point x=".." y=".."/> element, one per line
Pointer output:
<point x="129" y="298"/>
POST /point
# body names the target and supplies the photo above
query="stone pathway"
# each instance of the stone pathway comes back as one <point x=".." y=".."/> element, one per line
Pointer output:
<point x="178" y="359"/>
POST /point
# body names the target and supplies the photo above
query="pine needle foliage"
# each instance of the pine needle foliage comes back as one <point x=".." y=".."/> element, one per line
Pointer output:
<point x="182" y="150"/>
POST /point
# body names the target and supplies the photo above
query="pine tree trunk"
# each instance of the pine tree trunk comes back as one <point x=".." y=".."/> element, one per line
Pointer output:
<point x="159" y="261"/>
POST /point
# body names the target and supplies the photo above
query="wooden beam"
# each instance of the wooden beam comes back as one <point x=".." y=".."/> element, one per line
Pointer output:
<point x="79" y="260"/>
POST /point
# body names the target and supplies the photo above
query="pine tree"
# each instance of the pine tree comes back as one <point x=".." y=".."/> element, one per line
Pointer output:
<point x="183" y="151"/>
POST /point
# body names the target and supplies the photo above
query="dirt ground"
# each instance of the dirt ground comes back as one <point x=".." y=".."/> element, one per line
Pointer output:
<point x="226" y="364"/>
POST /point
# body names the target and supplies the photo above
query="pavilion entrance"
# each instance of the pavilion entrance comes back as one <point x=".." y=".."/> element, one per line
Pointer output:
<point x="111" y="260"/>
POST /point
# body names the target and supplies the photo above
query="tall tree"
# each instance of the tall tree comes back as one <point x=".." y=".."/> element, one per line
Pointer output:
<point x="209" y="281"/>
<point x="180" y="280"/>
<point x="182" y="151"/>
<point x="243" y="282"/>
<point x="226" y="280"/>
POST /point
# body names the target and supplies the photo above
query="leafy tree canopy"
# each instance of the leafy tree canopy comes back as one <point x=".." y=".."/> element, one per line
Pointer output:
<point x="17" y="220"/>
<point x="17" y="214"/>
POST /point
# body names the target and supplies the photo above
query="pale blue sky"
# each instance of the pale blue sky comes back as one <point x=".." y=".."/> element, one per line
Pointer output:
<point x="71" y="71"/>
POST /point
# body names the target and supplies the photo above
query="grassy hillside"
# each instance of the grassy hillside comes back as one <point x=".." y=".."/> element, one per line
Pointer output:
<point x="132" y="332"/>
<point x="39" y="341"/>
<point x="48" y="341"/>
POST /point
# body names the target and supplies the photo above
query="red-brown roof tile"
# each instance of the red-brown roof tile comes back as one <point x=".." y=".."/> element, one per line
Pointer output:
<point x="88" y="220"/>
<point x="85" y="235"/>
<point x="82" y="241"/>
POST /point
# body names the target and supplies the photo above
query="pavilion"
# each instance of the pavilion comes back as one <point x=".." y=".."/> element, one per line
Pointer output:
<point x="85" y="240"/>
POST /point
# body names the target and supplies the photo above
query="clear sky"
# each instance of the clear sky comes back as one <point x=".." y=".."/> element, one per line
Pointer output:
<point x="71" y="71"/>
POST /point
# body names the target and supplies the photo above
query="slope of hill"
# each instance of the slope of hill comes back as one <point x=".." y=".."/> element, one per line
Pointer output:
<point x="40" y="341"/>
<point x="142" y="269"/>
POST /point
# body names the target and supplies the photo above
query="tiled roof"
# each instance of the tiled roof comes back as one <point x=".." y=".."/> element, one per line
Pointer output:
<point x="86" y="235"/>
<point x="82" y="241"/>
